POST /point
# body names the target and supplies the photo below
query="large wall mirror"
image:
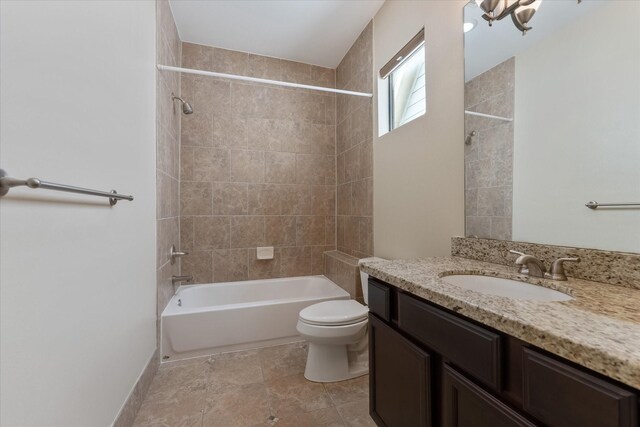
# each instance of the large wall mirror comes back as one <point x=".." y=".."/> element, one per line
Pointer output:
<point x="552" y="122"/>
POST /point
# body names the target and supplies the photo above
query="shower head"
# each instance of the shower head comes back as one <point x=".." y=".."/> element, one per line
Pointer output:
<point x="186" y="107"/>
<point x="469" y="139"/>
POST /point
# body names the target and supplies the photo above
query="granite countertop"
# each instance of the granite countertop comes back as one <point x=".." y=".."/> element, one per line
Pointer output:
<point x="598" y="329"/>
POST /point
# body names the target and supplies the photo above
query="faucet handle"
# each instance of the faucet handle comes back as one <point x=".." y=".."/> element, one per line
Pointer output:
<point x="176" y="254"/>
<point x="556" y="272"/>
<point x="516" y="252"/>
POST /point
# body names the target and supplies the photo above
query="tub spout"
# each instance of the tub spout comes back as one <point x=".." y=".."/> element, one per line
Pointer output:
<point x="176" y="280"/>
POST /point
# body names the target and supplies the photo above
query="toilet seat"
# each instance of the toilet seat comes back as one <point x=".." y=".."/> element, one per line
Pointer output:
<point x="334" y="313"/>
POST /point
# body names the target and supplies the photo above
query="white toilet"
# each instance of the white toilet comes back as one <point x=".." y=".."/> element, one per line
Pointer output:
<point x="337" y="336"/>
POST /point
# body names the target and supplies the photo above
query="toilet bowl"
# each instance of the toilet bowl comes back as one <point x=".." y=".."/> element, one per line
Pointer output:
<point x="337" y="336"/>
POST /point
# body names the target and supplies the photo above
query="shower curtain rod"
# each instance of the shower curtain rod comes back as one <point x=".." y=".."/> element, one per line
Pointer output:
<point x="257" y="80"/>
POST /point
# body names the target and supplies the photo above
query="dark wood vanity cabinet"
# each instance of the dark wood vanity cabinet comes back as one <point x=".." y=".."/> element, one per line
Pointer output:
<point x="432" y="367"/>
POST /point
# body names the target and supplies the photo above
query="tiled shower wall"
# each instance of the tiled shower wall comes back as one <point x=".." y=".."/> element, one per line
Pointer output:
<point x="168" y="52"/>
<point x="355" y="149"/>
<point x="489" y="158"/>
<point x="257" y="168"/>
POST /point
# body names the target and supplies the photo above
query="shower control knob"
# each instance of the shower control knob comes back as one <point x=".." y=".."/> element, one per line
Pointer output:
<point x="176" y="254"/>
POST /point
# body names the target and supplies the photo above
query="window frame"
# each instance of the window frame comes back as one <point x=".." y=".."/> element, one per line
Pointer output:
<point x="386" y="76"/>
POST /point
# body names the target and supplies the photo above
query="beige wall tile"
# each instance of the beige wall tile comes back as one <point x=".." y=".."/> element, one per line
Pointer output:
<point x="230" y="198"/>
<point x="264" y="269"/>
<point x="315" y="169"/>
<point x="230" y="265"/>
<point x="365" y="169"/>
<point x="295" y="261"/>
<point x="269" y="154"/>
<point x="321" y="76"/>
<point x="363" y="197"/>
<point x="247" y="166"/>
<point x="210" y="232"/>
<point x="264" y="67"/>
<point x="167" y="235"/>
<point x="330" y="229"/>
<point x="345" y="199"/>
<point x="280" y="231"/>
<point x="195" y="198"/>
<point x="186" y="233"/>
<point x="310" y="230"/>
<point x="167" y="197"/>
<point x="323" y="200"/>
<point x="296" y="72"/>
<point x="265" y="199"/>
<point x="229" y="131"/>
<point x="247" y="231"/>
<point x="197" y="56"/>
<point x="197" y="129"/>
<point x="198" y="264"/>
<point x="264" y="134"/>
<point x="296" y="200"/>
<point x="280" y="168"/>
<point x="168" y="148"/>
<point x="230" y="61"/>
<point x="211" y="164"/>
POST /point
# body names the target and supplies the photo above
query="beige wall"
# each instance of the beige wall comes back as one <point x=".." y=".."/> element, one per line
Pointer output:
<point x="354" y="149"/>
<point x="168" y="51"/>
<point x="78" y="288"/>
<point x="419" y="167"/>
<point x="257" y="168"/>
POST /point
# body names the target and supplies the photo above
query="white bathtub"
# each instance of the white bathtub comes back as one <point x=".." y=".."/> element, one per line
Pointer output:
<point x="213" y="318"/>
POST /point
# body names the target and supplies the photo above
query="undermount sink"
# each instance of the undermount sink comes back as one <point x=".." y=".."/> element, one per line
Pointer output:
<point x="505" y="287"/>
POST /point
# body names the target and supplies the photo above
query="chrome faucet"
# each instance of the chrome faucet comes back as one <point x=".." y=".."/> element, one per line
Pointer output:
<point x="176" y="280"/>
<point x="532" y="266"/>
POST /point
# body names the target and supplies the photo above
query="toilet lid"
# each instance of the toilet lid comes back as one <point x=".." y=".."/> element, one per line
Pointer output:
<point x="340" y="312"/>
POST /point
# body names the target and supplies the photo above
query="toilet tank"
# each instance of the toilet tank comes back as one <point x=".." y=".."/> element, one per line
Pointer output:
<point x="364" y="279"/>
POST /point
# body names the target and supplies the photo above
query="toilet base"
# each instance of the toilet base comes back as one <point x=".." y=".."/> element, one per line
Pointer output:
<point x="332" y="363"/>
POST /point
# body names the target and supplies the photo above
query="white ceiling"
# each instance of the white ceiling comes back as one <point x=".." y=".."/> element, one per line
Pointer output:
<point x="486" y="47"/>
<point x="318" y="32"/>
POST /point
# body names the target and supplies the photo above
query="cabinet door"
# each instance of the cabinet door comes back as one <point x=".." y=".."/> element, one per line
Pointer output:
<point x="467" y="405"/>
<point x="562" y="396"/>
<point x="399" y="379"/>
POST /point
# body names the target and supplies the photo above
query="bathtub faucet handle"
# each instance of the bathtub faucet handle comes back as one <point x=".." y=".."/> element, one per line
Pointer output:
<point x="176" y="254"/>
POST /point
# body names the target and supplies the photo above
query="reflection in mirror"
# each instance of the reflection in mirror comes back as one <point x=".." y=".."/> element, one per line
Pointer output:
<point x="556" y="116"/>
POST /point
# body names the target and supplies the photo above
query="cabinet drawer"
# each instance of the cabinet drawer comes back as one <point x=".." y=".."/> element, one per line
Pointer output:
<point x="467" y="405"/>
<point x="560" y="395"/>
<point x="469" y="347"/>
<point x="380" y="299"/>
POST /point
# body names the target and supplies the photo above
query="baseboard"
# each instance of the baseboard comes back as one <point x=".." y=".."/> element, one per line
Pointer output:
<point x="131" y="405"/>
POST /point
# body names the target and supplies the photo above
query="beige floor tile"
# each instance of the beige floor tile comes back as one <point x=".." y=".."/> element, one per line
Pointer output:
<point x="246" y="388"/>
<point x="233" y="369"/>
<point x="348" y="391"/>
<point x="237" y="406"/>
<point x="283" y="360"/>
<point x="356" y="414"/>
<point x="185" y="375"/>
<point x="327" y="417"/>
<point x="181" y="408"/>
<point x="293" y="394"/>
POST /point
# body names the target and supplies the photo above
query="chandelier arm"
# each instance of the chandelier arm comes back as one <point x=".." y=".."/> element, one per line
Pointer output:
<point x="519" y="25"/>
<point x="510" y="10"/>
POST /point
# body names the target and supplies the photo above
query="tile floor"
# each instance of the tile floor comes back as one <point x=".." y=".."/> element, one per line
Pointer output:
<point x="263" y="387"/>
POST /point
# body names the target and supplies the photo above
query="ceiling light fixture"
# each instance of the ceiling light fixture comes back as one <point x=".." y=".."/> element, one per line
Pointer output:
<point x="521" y="11"/>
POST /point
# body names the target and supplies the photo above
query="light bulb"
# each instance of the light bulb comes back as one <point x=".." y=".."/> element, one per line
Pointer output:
<point x="468" y="26"/>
